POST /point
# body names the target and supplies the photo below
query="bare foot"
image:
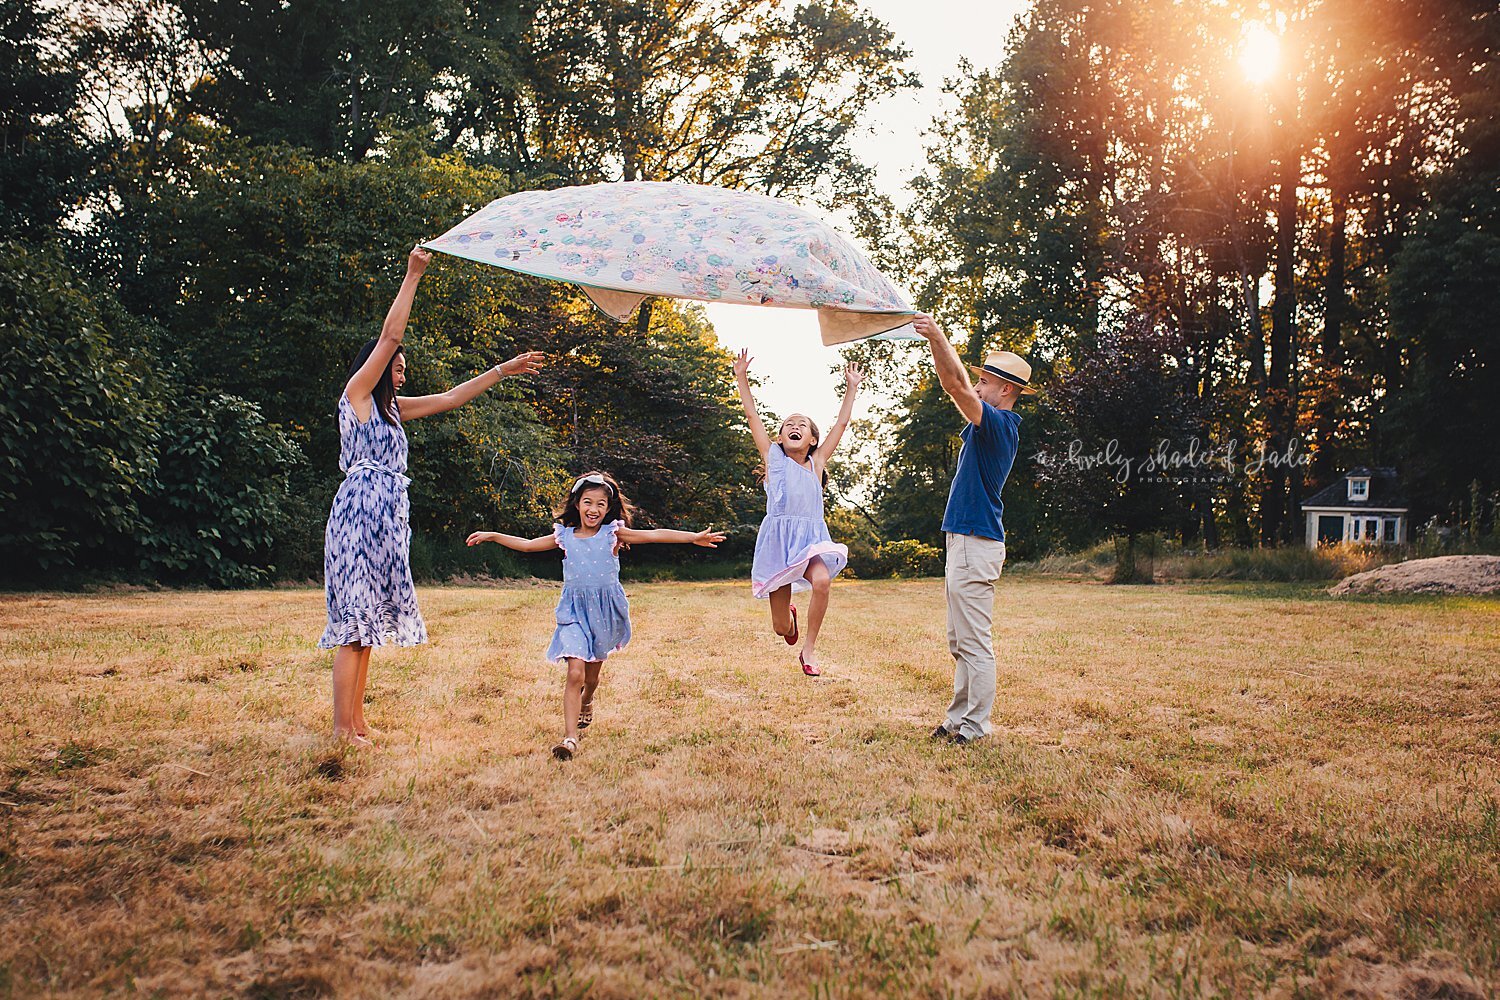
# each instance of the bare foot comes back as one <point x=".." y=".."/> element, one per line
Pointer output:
<point x="353" y="738"/>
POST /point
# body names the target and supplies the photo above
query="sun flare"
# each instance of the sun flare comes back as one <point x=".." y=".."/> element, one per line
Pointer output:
<point x="1260" y="52"/>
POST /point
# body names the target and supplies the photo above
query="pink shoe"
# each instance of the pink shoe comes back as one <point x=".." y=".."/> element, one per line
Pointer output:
<point x="791" y="640"/>
<point x="807" y="668"/>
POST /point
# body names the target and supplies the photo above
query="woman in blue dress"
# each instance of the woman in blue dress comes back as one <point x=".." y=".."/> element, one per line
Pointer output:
<point x="367" y="545"/>
<point x="793" y="550"/>
<point x="593" y="615"/>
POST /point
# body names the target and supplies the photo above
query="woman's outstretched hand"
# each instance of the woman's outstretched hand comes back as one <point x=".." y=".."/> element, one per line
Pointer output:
<point x="417" y="262"/>
<point x="523" y="364"/>
<point x="742" y="363"/>
<point x="481" y="536"/>
<point x="708" y="538"/>
<point x="853" y="376"/>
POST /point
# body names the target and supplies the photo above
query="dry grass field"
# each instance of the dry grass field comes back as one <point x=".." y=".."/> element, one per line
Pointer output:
<point x="1192" y="790"/>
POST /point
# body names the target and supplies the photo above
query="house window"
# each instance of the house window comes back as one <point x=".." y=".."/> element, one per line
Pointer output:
<point x="1359" y="489"/>
<point x="1372" y="529"/>
<point x="1390" y="528"/>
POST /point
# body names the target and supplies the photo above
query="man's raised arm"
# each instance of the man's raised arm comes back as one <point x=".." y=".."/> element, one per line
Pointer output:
<point x="950" y="370"/>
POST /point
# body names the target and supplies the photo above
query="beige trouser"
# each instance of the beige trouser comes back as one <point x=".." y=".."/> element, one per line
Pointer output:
<point x="974" y="564"/>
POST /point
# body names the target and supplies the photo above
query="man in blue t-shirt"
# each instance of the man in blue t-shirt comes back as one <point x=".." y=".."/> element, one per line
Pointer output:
<point x="975" y="536"/>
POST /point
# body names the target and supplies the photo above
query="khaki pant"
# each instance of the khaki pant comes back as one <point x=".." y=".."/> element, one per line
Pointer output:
<point x="974" y="564"/>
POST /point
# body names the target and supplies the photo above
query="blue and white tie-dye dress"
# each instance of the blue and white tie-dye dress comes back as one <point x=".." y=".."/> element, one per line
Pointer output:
<point x="593" y="615"/>
<point x="367" y="546"/>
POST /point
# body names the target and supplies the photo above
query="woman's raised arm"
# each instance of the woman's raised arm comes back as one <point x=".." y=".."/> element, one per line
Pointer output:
<point x="362" y="383"/>
<point x="413" y="407"/>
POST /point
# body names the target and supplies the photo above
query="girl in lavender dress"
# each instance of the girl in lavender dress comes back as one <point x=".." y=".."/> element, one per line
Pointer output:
<point x="593" y="616"/>
<point x="366" y="547"/>
<point x="793" y="551"/>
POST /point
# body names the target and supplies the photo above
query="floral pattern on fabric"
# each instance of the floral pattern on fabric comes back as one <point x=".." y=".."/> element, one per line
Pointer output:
<point x="681" y="240"/>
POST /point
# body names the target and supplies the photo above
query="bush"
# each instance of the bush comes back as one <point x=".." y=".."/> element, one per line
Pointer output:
<point x="212" y="510"/>
<point x="76" y="441"/>
<point x="437" y="558"/>
<point x="1284" y="565"/>
<point x="908" y="558"/>
<point x="851" y="529"/>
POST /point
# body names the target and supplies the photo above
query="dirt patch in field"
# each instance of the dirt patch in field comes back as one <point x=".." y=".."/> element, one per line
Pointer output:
<point x="1440" y="575"/>
<point x="1360" y="971"/>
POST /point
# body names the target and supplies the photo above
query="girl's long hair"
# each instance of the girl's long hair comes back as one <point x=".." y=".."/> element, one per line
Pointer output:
<point x="620" y="507"/>
<point x="384" y="393"/>
<point x="817" y="436"/>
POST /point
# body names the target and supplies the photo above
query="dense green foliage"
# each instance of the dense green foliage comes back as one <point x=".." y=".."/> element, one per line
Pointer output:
<point x="1125" y="162"/>
<point x="110" y="461"/>
<point x="205" y="226"/>
<point x="233" y="195"/>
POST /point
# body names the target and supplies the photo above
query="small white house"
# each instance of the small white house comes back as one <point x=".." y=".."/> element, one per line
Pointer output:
<point x="1364" y="505"/>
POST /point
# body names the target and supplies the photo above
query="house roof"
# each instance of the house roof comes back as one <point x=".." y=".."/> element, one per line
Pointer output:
<point x="1385" y="491"/>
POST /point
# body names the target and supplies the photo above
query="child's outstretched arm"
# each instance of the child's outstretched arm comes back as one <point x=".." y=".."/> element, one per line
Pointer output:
<point x="742" y="381"/>
<point x="514" y="541"/>
<point x="708" y="538"/>
<point x="853" y="376"/>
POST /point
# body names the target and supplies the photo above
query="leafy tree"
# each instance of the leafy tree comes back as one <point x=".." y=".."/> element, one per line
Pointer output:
<point x="44" y="155"/>
<point x="214" y="504"/>
<point x="1443" y="421"/>
<point x="1129" y="399"/>
<point x="77" y="422"/>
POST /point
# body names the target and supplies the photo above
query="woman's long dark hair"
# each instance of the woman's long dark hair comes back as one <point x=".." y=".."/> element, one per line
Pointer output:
<point x="384" y="393"/>
<point x="620" y="507"/>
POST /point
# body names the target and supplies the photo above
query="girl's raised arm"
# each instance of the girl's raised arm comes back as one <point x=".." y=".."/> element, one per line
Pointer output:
<point x="708" y="538"/>
<point x="362" y="383"/>
<point x="853" y="376"/>
<point x="514" y="541"/>
<point x="742" y="381"/>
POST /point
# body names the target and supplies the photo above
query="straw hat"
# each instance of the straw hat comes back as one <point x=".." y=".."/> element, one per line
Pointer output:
<point x="1010" y="367"/>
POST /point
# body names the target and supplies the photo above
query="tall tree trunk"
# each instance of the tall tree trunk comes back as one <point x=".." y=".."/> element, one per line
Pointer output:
<point x="1280" y="404"/>
<point x="1329" y="402"/>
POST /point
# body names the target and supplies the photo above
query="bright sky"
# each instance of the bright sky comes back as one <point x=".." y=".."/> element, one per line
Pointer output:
<point x="790" y="360"/>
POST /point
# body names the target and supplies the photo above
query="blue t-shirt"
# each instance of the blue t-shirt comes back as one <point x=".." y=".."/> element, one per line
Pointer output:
<point x="989" y="450"/>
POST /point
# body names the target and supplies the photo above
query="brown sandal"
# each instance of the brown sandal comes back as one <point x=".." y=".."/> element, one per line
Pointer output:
<point x="566" y="749"/>
<point x="586" y="716"/>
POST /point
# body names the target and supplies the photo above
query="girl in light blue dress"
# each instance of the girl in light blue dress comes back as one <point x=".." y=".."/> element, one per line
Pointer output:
<point x="593" y="615"/>
<point x="793" y="550"/>
<point x="367" y="545"/>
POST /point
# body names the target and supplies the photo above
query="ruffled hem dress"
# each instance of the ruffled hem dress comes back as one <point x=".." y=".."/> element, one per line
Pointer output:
<point x="593" y="614"/>
<point x="793" y="533"/>
<point x="367" y="545"/>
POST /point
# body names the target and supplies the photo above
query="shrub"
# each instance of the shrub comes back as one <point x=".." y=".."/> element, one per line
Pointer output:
<point x="76" y="440"/>
<point x="852" y="529"/>
<point x="909" y="558"/>
<point x="215" y="503"/>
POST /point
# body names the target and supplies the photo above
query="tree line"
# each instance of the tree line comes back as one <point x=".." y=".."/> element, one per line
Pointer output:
<point x="1274" y="227"/>
<point x="205" y="207"/>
